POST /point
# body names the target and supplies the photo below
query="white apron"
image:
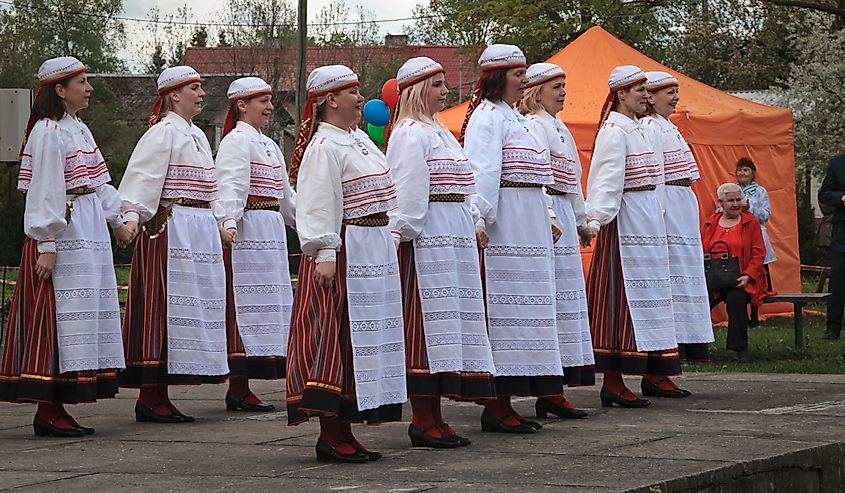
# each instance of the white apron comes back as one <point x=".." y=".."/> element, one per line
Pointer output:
<point x="196" y="294"/>
<point x="645" y="269"/>
<point x="451" y="296"/>
<point x="690" y="301"/>
<point x="518" y="264"/>
<point x="87" y="310"/>
<point x="261" y="283"/>
<point x="374" y="300"/>
<point x="573" y="322"/>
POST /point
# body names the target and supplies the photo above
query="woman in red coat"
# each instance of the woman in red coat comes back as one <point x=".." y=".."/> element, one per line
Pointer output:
<point x="739" y="233"/>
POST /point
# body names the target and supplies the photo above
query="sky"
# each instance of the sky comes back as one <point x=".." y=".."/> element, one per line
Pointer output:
<point x="139" y="34"/>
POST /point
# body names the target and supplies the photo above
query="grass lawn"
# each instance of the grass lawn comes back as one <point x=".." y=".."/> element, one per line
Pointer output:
<point x="772" y="350"/>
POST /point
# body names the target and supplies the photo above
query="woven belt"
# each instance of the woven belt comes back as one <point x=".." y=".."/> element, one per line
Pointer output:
<point x="518" y="184"/>
<point x="196" y="204"/>
<point x="157" y="224"/>
<point x="262" y="205"/>
<point x="372" y="221"/>
<point x="683" y="182"/>
<point x="447" y="197"/>
<point x="81" y="191"/>
<point x="552" y="191"/>
<point x="644" y="188"/>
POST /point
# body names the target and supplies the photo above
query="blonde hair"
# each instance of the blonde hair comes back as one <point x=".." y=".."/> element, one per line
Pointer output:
<point x="726" y="188"/>
<point x="413" y="103"/>
<point x="529" y="105"/>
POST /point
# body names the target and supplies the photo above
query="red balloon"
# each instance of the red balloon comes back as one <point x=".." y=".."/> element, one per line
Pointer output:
<point x="390" y="93"/>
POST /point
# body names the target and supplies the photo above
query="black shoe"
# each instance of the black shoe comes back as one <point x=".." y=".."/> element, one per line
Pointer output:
<point x="496" y="425"/>
<point x="86" y="429"/>
<point x="372" y="455"/>
<point x="608" y="399"/>
<point x="544" y="406"/>
<point x="327" y="453"/>
<point x="743" y="357"/>
<point x="184" y="417"/>
<point x="44" y="428"/>
<point x="420" y="439"/>
<point x="652" y="390"/>
<point x="233" y="404"/>
<point x="463" y="441"/>
<point x="830" y="335"/>
<point x="528" y="422"/>
<point x="145" y="414"/>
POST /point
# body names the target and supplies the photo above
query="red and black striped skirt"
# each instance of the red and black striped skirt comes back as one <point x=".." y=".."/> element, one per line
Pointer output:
<point x="30" y="361"/>
<point x="610" y="322"/>
<point x="320" y="378"/>
<point x="258" y="367"/>
<point x="465" y="386"/>
<point x="145" y="317"/>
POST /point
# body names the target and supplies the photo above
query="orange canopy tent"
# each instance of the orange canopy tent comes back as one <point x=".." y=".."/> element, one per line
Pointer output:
<point x="719" y="127"/>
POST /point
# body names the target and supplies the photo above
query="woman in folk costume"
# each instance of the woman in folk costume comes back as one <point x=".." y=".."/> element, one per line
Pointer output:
<point x="511" y="167"/>
<point x="346" y="355"/>
<point x="628" y="287"/>
<point x="63" y="343"/>
<point x="690" y="302"/>
<point x="543" y="100"/>
<point x="447" y="351"/>
<point x="174" y="328"/>
<point x="255" y="201"/>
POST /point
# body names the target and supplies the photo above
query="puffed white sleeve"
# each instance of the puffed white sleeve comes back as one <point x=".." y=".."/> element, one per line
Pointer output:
<point x="406" y="155"/>
<point x="576" y="200"/>
<point x="607" y="176"/>
<point x="319" y="208"/>
<point x="654" y="136"/>
<point x="44" y="213"/>
<point x="111" y="203"/>
<point x="231" y="170"/>
<point x="140" y="187"/>
<point x="287" y="206"/>
<point x="483" y="143"/>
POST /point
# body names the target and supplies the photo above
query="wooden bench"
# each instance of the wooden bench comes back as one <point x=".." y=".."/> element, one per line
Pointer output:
<point x="798" y="301"/>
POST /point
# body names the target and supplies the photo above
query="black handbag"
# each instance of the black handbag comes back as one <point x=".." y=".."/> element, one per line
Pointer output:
<point x="720" y="269"/>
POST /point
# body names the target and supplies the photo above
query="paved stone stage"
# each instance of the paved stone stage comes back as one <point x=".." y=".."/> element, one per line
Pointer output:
<point x="744" y="433"/>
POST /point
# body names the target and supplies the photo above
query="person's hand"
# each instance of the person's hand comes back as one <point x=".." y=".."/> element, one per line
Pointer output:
<point x="843" y="199"/>
<point x="324" y="274"/>
<point x="742" y="280"/>
<point x="227" y="236"/>
<point x="587" y="234"/>
<point x="124" y="236"/>
<point x="44" y="265"/>
<point x="481" y="237"/>
<point x="556" y="232"/>
<point x="746" y="204"/>
<point x="132" y="228"/>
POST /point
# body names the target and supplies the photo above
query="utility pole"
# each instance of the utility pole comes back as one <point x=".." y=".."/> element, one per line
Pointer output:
<point x="302" y="41"/>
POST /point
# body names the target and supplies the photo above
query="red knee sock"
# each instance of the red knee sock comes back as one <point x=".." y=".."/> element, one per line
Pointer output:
<point x="437" y="412"/>
<point x="239" y="389"/>
<point x="559" y="401"/>
<point x="613" y="383"/>
<point x="422" y="416"/>
<point x="662" y="382"/>
<point x="49" y="412"/>
<point x="151" y="396"/>
<point x="500" y="408"/>
<point x="332" y="433"/>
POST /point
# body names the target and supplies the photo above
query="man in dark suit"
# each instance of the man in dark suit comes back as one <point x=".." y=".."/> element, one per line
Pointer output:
<point x="832" y="193"/>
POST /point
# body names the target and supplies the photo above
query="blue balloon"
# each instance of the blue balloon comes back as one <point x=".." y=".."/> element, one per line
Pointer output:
<point x="376" y="112"/>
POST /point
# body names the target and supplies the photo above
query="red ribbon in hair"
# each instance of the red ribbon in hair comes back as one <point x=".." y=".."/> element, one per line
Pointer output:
<point x="306" y="128"/>
<point x="155" y="112"/>
<point x="475" y="97"/>
<point x="608" y="102"/>
<point x="232" y="114"/>
<point x="41" y="85"/>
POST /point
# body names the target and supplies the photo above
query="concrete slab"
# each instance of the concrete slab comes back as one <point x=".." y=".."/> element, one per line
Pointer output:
<point x="739" y="432"/>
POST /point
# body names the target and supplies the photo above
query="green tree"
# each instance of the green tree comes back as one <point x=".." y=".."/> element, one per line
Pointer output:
<point x="542" y="27"/>
<point x="732" y="44"/>
<point x="34" y="30"/>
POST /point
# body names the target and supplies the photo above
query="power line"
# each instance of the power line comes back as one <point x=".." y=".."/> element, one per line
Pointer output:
<point x="212" y="24"/>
